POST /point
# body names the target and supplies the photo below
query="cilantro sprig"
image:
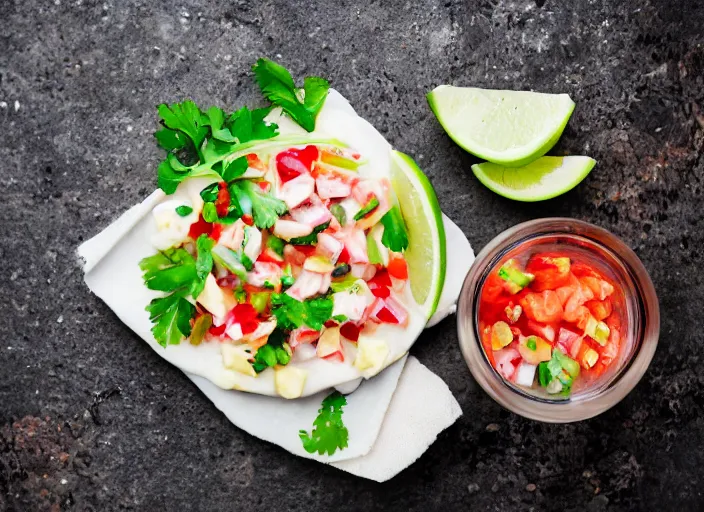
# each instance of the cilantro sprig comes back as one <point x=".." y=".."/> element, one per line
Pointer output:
<point x="199" y="143"/>
<point x="329" y="433"/>
<point x="176" y="272"/>
<point x="291" y="313"/>
<point x="266" y="209"/>
<point x="302" y="104"/>
<point x="395" y="236"/>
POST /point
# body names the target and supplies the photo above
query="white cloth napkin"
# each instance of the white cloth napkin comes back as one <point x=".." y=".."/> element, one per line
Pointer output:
<point x="392" y="419"/>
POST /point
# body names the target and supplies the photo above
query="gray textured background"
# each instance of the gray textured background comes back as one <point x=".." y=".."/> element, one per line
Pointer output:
<point x="92" y="419"/>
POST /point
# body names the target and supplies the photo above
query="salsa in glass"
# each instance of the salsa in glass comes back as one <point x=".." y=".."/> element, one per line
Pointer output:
<point x="551" y="320"/>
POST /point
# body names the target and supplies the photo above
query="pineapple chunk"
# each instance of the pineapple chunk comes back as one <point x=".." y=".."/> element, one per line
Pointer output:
<point x="235" y="358"/>
<point x="289" y="381"/>
<point x="214" y="299"/>
<point x="371" y="354"/>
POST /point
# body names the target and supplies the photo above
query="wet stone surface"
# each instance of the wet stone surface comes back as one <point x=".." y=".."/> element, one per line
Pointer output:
<point x="92" y="419"/>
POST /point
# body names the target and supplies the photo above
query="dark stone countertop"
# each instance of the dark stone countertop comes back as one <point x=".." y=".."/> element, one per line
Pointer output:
<point x="92" y="419"/>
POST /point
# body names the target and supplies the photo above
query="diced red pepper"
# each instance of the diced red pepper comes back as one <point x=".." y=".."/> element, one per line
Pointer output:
<point x="350" y="331"/>
<point x="398" y="268"/>
<point x="222" y="203"/>
<point x="248" y="219"/>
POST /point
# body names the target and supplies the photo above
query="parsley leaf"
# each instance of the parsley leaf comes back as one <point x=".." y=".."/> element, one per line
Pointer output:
<point x="171" y="316"/>
<point x="248" y="125"/>
<point x="184" y="118"/>
<point x="312" y="238"/>
<point x="395" y="236"/>
<point x="168" y="271"/>
<point x="291" y="313"/>
<point x="204" y="263"/>
<point x="277" y="85"/>
<point x="329" y="432"/>
<point x="206" y="140"/>
<point x="266" y="209"/>
<point x="234" y="169"/>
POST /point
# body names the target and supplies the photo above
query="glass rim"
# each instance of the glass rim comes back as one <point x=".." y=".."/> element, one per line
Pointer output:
<point x="594" y="401"/>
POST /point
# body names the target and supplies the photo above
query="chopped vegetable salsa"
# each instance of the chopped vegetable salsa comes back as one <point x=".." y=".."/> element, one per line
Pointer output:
<point x="551" y="320"/>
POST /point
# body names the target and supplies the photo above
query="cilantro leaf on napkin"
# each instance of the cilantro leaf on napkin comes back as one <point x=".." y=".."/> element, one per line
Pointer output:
<point x="329" y="432"/>
<point x="302" y="104"/>
<point x="177" y="272"/>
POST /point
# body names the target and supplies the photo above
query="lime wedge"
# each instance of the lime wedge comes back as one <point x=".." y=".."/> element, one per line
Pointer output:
<point x="545" y="178"/>
<point x="510" y="128"/>
<point x="421" y="212"/>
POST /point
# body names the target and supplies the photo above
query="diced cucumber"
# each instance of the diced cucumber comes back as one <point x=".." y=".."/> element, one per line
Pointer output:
<point x="568" y="364"/>
<point x="516" y="279"/>
<point x="230" y="260"/>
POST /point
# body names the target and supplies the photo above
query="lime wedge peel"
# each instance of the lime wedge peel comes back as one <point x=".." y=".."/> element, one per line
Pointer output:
<point x="547" y="177"/>
<point x="426" y="253"/>
<point x="510" y="128"/>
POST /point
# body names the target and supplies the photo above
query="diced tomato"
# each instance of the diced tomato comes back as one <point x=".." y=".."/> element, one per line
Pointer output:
<point x="386" y="316"/>
<point x="222" y="203"/>
<point x="600" y="309"/>
<point x="264" y="185"/>
<point x="398" y="268"/>
<point x="216" y="231"/>
<point x="493" y="287"/>
<point x="294" y="162"/>
<point x="269" y="256"/>
<point x="248" y="219"/>
<point x="200" y="227"/>
<point x="581" y="269"/>
<point x="330" y="323"/>
<point x="344" y="256"/>
<point x="218" y="330"/>
<point x="308" y="250"/>
<point x="550" y="272"/>
<point x="542" y="307"/>
<point x="350" y="331"/>
<point x="381" y="278"/>
<point x="380" y="291"/>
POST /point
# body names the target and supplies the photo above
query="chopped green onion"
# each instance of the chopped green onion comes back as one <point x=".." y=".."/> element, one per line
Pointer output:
<point x="373" y="203"/>
<point x="339" y="213"/>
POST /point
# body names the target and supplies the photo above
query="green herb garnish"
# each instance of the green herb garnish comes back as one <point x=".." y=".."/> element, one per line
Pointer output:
<point x="329" y="433"/>
<point x="266" y="209"/>
<point x="395" y="236"/>
<point x="371" y="205"/>
<point x="291" y="313"/>
<point x="183" y="210"/>
<point x="278" y="86"/>
<point x="312" y="238"/>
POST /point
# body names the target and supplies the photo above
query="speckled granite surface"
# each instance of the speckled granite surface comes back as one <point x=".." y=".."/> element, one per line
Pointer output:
<point x="92" y="419"/>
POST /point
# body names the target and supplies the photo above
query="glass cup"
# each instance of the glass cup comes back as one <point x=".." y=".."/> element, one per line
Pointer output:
<point x="641" y="318"/>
